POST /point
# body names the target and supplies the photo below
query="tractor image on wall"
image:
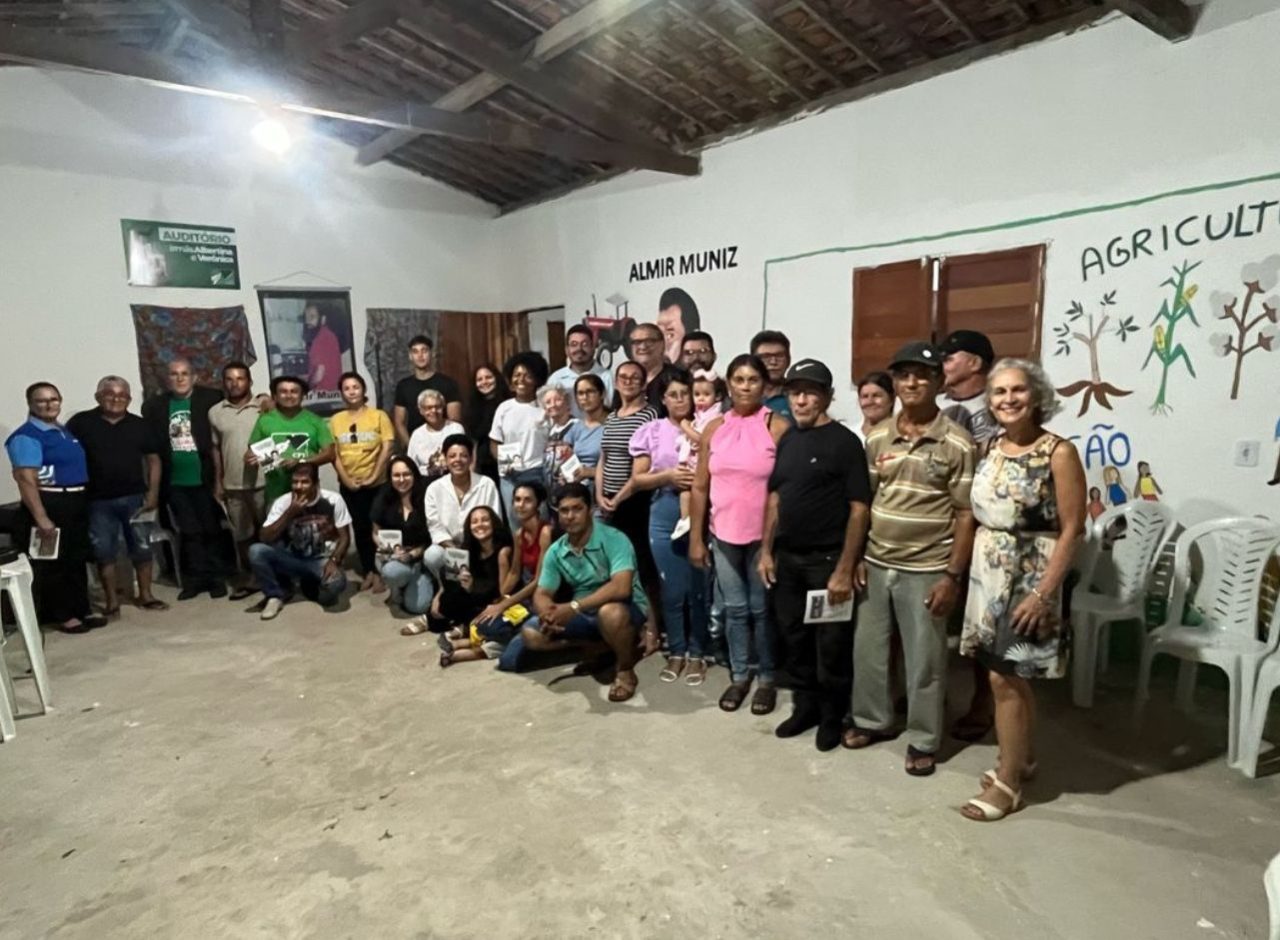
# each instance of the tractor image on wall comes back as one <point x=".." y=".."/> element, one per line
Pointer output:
<point x="610" y="333"/>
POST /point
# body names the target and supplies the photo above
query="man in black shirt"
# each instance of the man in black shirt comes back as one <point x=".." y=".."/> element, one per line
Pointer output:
<point x="814" y="530"/>
<point x="124" y="478"/>
<point x="405" y="415"/>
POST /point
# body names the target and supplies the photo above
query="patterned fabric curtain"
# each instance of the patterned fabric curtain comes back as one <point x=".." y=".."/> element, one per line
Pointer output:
<point x="386" y="346"/>
<point x="209" y="337"/>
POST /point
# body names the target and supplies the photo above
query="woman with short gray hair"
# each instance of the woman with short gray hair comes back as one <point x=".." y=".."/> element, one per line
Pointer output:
<point x="427" y="441"/>
<point x="1028" y="498"/>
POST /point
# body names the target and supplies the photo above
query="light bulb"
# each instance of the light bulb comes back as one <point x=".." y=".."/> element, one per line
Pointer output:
<point x="273" y="136"/>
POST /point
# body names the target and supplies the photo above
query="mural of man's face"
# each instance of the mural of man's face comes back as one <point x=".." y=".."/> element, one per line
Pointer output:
<point x="672" y="327"/>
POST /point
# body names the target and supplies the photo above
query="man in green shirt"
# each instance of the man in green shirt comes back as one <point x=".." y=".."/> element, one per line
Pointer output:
<point x="598" y="565"/>
<point x="301" y="436"/>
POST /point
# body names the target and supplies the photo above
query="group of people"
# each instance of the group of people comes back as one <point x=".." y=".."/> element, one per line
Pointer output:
<point x="602" y="511"/>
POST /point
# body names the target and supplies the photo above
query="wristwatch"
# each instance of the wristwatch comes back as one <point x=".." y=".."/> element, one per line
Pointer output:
<point x="577" y="608"/>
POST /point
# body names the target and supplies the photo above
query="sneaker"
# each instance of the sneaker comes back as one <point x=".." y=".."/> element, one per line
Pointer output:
<point x="271" y="609"/>
<point x="682" y="529"/>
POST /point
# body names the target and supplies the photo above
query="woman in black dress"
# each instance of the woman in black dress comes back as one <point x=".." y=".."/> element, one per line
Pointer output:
<point x="487" y="542"/>
<point x="488" y="390"/>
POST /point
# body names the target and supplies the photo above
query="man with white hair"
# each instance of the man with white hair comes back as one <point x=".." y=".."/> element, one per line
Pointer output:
<point x="124" y="479"/>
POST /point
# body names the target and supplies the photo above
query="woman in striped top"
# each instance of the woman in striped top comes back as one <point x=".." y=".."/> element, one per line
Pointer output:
<point x="620" y="505"/>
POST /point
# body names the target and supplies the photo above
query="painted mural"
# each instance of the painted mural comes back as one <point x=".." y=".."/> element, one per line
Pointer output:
<point x="1082" y="328"/>
<point x="1257" y="278"/>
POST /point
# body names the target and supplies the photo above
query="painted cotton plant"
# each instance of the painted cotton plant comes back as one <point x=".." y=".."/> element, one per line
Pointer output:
<point x="1258" y="278"/>
<point x="1173" y="310"/>
<point x="1082" y="328"/>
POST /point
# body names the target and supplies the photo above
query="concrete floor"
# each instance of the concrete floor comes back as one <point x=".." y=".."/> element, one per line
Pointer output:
<point x="209" y="775"/>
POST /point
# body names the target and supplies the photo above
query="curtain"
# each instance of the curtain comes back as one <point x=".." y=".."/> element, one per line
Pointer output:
<point x="386" y="346"/>
<point x="209" y="337"/>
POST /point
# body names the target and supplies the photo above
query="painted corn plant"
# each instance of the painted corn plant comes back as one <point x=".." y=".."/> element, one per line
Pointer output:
<point x="1258" y="278"/>
<point x="1164" y="347"/>
<point x="1088" y="334"/>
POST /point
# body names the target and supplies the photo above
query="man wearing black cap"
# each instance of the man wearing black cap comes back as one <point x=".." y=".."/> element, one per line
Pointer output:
<point x="921" y="467"/>
<point x="814" y="529"/>
<point x="967" y="356"/>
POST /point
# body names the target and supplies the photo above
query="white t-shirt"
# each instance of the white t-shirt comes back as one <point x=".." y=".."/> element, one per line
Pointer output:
<point x="425" y="444"/>
<point x="566" y="378"/>
<point x="310" y="534"/>
<point x="516" y="422"/>
<point x="447" y="515"/>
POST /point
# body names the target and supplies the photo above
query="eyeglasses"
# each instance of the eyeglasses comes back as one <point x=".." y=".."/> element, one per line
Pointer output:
<point x="646" y="342"/>
<point x="772" y="357"/>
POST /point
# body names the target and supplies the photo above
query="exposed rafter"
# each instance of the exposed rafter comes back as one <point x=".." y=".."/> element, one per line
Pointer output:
<point x="578" y="27"/>
<point x="950" y="12"/>
<point x="773" y="33"/>
<point x="1172" y="19"/>
<point x="820" y="13"/>
<point x="42" y="47"/>
<point x="356" y="21"/>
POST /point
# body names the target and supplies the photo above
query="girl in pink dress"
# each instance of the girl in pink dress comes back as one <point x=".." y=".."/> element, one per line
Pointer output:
<point x="708" y="395"/>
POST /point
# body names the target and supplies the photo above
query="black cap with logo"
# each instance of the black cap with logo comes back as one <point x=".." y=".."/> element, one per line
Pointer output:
<point x="918" y="353"/>
<point x="970" y="341"/>
<point x="810" y="371"/>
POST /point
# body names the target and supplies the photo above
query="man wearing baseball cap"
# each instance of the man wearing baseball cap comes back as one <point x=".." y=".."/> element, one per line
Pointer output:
<point x="967" y="357"/>
<point x="917" y="558"/>
<point x="814" y="530"/>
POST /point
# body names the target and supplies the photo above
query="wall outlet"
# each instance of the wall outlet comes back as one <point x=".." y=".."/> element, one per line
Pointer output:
<point x="1247" y="453"/>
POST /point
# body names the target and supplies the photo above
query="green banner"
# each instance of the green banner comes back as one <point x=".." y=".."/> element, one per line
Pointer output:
<point x="167" y="254"/>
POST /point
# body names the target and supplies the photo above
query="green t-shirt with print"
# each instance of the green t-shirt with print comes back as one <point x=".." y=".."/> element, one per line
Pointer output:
<point x="305" y="435"/>
<point x="184" y="464"/>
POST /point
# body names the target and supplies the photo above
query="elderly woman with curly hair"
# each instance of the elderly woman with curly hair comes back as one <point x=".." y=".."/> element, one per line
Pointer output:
<point x="1029" y="501"/>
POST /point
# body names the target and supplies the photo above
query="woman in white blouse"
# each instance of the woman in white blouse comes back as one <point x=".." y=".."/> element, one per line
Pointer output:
<point x="518" y="437"/>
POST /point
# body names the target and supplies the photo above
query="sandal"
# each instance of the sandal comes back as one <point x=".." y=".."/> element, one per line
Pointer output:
<point x="454" y="633"/>
<point x="765" y="699"/>
<point x="1028" y="774"/>
<point x="920" y="763"/>
<point x="153" y="604"/>
<point x="415" y="626"/>
<point x="982" y="811"/>
<point x="855" y="738"/>
<point x="446" y="660"/>
<point x="732" y="698"/>
<point x="696" y="674"/>
<point x="624" y="686"/>
<point x="671" y="671"/>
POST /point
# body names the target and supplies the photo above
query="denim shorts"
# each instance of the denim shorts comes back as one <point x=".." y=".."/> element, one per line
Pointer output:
<point x="586" y="626"/>
<point x="109" y="521"/>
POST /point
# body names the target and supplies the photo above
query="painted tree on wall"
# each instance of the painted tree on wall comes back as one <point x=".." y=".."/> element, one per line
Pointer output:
<point x="1173" y="310"/>
<point x="1088" y="334"/>
<point x="1258" y="278"/>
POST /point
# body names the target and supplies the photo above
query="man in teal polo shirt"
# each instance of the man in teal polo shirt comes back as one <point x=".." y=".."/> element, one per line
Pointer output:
<point x="598" y="565"/>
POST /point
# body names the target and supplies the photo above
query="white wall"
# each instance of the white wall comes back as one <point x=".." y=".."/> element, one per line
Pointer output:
<point x="1107" y="115"/>
<point x="78" y="153"/>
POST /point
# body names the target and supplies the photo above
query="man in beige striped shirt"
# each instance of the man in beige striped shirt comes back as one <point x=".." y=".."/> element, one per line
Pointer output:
<point x="921" y="465"/>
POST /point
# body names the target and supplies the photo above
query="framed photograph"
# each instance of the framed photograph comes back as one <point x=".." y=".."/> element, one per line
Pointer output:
<point x="309" y="335"/>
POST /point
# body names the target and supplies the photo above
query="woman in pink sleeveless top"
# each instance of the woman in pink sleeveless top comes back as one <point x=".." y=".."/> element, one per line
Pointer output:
<point x="730" y="489"/>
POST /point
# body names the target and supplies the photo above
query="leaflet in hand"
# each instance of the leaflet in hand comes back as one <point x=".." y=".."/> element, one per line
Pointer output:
<point x="269" y="452"/>
<point x="819" y="609"/>
<point x="569" y="469"/>
<point x="456" y="560"/>
<point x="44" y="548"/>
<point x="508" y="458"/>
<point x="389" y="539"/>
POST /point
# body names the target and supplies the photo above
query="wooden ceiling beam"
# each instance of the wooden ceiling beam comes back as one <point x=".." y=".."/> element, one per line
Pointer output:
<point x="898" y="24"/>
<point x="357" y="21"/>
<point x="45" y="48"/>
<point x="706" y="26"/>
<point x="507" y="66"/>
<point x="820" y="13"/>
<point x="1172" y="19"/>
<point x="950" y="12"/>
<point x="574" y="29"/>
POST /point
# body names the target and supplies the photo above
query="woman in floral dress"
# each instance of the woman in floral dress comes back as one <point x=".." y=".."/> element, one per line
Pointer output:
<point x="1029" y="501"/>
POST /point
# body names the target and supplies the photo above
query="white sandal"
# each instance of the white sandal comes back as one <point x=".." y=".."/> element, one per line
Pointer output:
<point x="990" y="812"/>
<point x="415" y="627"/>
<point x="1028" y="774"/>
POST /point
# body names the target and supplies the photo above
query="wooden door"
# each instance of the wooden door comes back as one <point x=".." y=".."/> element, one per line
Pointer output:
<point x="468" y="340"/>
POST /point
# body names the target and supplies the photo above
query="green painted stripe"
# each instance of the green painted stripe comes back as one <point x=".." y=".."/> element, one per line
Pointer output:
<point x="1002" y="226"/>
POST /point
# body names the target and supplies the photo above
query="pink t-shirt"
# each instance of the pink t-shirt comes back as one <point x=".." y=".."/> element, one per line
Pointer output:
<point x="659" y="441"/>
<point x="689" y="448"/>
<point x="741" y="459"/>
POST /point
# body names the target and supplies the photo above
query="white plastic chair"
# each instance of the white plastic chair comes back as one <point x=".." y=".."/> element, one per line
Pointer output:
<point x="1255" y="718"/>
<point x="1234" y="554"/>
<point x="8" y="704"/>
<point x="1272" y="882"/>
<point x="15" y="580"/>
<point x="1133" y="558"/>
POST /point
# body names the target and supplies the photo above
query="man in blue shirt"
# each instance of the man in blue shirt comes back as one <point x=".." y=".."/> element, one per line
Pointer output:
<point x="596" y="565"/>
<point x="50" y="469"/>
<point x="580" y="353"/>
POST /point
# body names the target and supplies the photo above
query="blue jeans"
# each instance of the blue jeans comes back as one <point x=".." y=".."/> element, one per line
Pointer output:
<point x="681" y="583"/>
<point x="276" y="568"/>
<point x="410" y="585"/>
<point x="507" y="486"/>
<point x="109" y="521"/>
<point x="745" y="617"/>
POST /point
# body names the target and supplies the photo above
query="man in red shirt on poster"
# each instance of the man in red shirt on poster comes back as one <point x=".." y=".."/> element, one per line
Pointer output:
<point x="324" y="355"/>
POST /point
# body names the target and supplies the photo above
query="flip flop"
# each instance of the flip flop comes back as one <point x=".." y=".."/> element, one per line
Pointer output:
<point x="855" y="739"/>
<point x="623" y="689"/>
<point x="914" y="756"/>
<point x="765" y="699"/>
<point x="733" y="697"/>
<point x="153" y="604"/>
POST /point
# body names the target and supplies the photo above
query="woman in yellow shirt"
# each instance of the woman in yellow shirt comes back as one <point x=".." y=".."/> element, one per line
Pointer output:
<point x="364" y="437"/>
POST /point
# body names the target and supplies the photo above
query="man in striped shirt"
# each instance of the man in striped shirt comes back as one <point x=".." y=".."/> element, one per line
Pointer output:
<point x="921" y="466"/>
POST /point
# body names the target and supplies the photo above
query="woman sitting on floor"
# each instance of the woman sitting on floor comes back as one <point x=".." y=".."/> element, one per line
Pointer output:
<point x="398" y="508"/>
<point x="477" y="584"/>
<point x="493" y="628"/>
